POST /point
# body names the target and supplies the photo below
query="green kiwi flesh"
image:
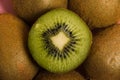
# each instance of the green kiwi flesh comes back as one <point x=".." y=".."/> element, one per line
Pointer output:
<point x="59" y="40"/>
<point x="103" y="63"/>
<point x="72" y="75"/>
<point x="30" y="10"/>
<point x="15" y="61"/>
<point x="97" y="13"/>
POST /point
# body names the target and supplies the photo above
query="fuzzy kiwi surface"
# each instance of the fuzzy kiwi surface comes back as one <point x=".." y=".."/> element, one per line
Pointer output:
<point x="97" y="13"/>
<point x="59" y="40"/>
<point x="103" y="63"/>
<point x="72" y="75"/>
<point x="15" y="62"/>
<point x="30" y="10"/>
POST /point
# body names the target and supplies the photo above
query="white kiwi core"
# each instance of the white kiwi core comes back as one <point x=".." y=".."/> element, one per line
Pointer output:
<point x="60" y="40"/>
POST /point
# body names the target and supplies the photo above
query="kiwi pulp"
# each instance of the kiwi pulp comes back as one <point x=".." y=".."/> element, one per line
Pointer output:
<point x="59" y="40"/>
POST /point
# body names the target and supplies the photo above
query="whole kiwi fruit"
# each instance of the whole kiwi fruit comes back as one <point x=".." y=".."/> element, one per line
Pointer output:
<point x="72" y="75"/>
<point x="59" y="40"/>
<point x="30" y="10"/>
<point x="97" y="13"/>
<point x="103" y="63"/>
<point x="15" y="61"/>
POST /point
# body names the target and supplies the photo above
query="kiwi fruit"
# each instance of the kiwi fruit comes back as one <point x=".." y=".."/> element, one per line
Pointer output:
<point x="59" y="40"/>
<point x="103" y="63"/>
<point x="15" y="61"/>
<point x="72" y="75"/>
<point x="97" y="13"/>
<point x="30" y="10"/>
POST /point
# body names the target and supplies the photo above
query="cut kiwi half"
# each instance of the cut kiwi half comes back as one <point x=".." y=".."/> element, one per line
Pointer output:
<point x="59" y="40"/>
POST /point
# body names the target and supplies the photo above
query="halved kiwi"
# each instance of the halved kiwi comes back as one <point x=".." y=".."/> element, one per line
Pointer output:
<point x="59" y="40"/>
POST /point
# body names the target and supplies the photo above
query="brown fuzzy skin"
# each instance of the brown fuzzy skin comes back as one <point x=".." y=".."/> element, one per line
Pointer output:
<point x="103" y="63"/>
<point x="73" y="75"/>
<point x="97" y="13"/>
<point x="30" y="10"/>
<point x="15" y="61"/>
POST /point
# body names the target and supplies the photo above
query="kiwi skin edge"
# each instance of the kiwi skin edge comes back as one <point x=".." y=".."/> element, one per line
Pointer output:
<point x="30" y="10"/>
<point x="72" y="75"/>
<point x="15" y="60"/>
<point x="97" y="13"/>
<point x="103" y="63"/>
